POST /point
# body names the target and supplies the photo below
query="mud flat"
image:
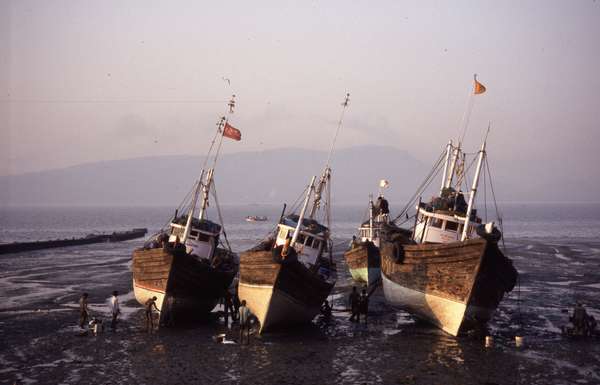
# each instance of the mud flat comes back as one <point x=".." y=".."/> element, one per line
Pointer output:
<point x="40" y="341"/>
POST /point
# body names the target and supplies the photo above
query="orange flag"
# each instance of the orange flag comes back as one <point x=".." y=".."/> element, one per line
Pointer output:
<point x="479" y="88"/>
<point x="232" y="132"/>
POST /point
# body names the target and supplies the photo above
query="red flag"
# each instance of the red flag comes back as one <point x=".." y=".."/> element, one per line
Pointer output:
<point x="232" y="132"/>
<point x="478" y="88"/>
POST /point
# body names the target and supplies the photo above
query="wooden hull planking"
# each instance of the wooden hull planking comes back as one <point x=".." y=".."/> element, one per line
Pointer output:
<point x="364" y="263"/>
<point x="280" y="293"/>
<point x="451" y="285"/>
<point x="195" y="285"/>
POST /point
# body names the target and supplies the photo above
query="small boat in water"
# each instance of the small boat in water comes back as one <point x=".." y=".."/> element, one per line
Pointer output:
<point x="256" y="218"/>
<point x="448" y="269"/>
<point x="184" y="261"/>
<point x="286" y="278"/>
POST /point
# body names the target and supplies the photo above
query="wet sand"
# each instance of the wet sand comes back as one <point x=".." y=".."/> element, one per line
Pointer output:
<point x="40" y="342"/>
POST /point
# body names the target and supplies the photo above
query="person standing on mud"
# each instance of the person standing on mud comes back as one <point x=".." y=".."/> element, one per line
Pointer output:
<point x="83" y="310"/>
<point x="150" y="303"/>
<point x="326" y="310"/>
<point x="115" y="310"/>
<point x="354" y="300"/>
<point x="228" y="307"/>
<point x="364" y="304"/>
<point x="236" y="306"/>
<point x="169" y="303"/>
<point x="244" y="322"/>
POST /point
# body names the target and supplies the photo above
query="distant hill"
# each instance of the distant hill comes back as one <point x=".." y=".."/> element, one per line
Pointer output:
<point x="272" y="176"/>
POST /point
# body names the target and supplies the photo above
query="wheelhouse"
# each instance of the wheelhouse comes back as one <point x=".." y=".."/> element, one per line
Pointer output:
<point x="441" y="226"/>
<point x="202" y="239"/>
<point x="311" y="240"/>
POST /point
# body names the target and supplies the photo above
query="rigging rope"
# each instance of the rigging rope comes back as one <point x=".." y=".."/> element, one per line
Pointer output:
<point x="432" y="174"/>
<point x="296" y="203"/>
<point x="337" y="131"/>
<point x="214" y="193"/>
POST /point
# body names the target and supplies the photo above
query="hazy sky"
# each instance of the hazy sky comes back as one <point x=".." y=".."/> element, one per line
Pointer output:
<point x="83" y="81"/>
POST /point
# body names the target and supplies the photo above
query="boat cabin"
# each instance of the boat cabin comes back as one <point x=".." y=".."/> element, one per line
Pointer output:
<point x="441" y="226"/>
<point x="365" y="233"/>
<point x="203" y="239"/>
<point x="311" y="241"/>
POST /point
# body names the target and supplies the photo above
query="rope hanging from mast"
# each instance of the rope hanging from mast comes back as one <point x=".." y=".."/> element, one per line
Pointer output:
<point x="478" y="88"/>
<point x="326" y="175"/>
<point x="339" y="126"/>
<point x="214" y="193"/>
<point x="435" y="170"/>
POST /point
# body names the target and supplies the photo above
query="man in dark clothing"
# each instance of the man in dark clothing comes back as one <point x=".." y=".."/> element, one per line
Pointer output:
<point x="236" y="306"/>
<point x="244" y="318"/>
<point x="326" y="310"/>
<point x="228" y="307"/>
<point x="115" y="310"/>
<point x="364" y="304"/>
<point x="384" y="207"/>
<point x="150" y="303"/>
<point x="83" y="310"/>
<point x="580" y="320"/>
<point x="354" y="300"/>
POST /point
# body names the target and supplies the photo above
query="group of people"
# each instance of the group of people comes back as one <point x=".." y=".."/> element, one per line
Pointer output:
<point x="359" y="304"/>
<point x="113" y="307"/>
<point x="239" y="312"/>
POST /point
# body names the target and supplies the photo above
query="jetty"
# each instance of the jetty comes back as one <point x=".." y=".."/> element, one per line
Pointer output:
<point x="117" y="236"/>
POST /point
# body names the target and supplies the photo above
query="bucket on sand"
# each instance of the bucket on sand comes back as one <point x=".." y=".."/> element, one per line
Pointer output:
<point x="519" y="341"/>
<point x="489" y="341"/>
<point x="96" y="326"/>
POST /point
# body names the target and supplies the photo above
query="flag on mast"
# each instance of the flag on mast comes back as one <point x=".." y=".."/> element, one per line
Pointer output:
<point x="232" y="132"/>
<point x="478" y="87"/>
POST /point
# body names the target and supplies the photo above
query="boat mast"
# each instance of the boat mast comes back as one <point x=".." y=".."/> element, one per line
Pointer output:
<point x="327" y="172"/>
<point x="448" y="152"/>
<point x="319" y="191"/>
<point x="371" y="217"/>
<point x="473" y="191"/>
<point x="301" y="217"/>
<point x="475" y="90"/>
<point x="205" y="192"/>
<point x="188" y="223"/>
<point x="205" y="188"/>
<point x="450" y="175"/>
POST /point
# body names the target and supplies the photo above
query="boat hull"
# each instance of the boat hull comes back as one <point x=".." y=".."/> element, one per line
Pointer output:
<point x="454" y="286"/>
<point x="280" y="293"/>
<point x="195" y="285"/>
<point x="364" y="263"/>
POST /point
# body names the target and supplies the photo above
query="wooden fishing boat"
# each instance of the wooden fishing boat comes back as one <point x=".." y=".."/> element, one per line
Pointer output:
<point x="287" y="289"/>
<point x="362" y="257"/>
<point x="195" y="276"/>
<point x="450" y="271"/>
<point x="184" y="261"/>
<point x="286" y="278"/>
<point x="364" y="262"/>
